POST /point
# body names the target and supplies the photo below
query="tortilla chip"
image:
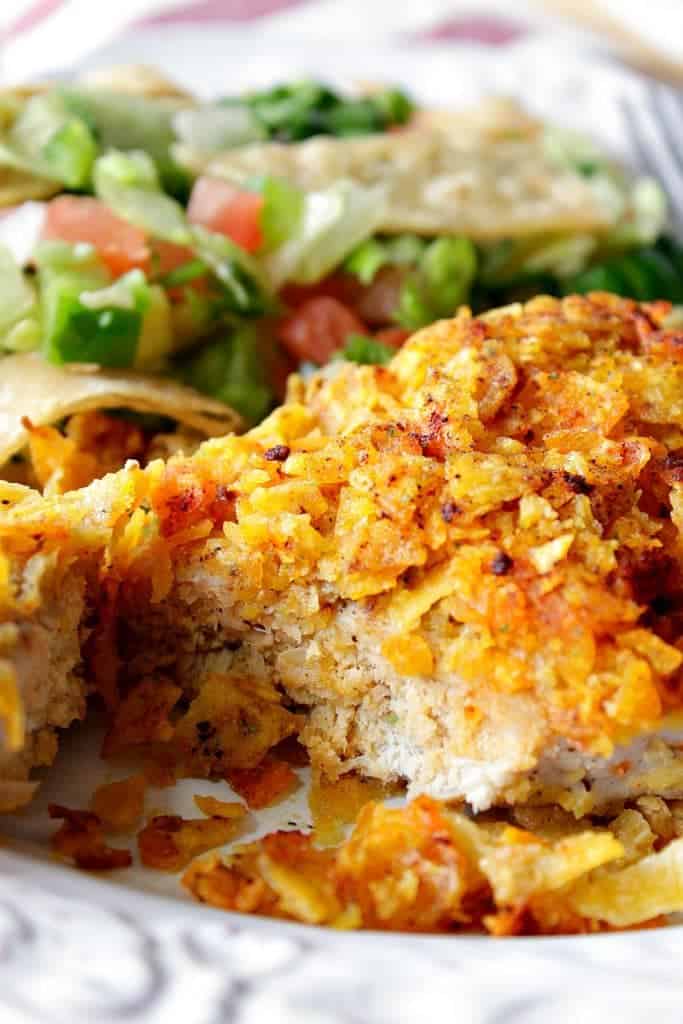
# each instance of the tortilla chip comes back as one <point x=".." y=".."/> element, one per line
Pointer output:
<point x="34" y="390"/>
<point x="475" y="174"/>
<point x="646" y="889"/>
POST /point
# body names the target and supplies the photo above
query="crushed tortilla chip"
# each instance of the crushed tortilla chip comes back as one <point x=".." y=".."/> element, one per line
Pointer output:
<point x="169" y="842"/>
<point x="268" y="782"/>
<point x="142" y="716"/>
<point x="334" y="804"/>
<point x="647" y="889"/>
<point x="119" y="805"/>
<point x="81" y="839"/>
<point x="230" y="726"/>
<point x="214" y="808"/>
<point x="237" y="887"/>
<point x="93" y="444"/>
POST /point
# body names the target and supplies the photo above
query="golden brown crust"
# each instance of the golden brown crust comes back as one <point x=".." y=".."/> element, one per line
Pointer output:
<point x="475" y="549"/>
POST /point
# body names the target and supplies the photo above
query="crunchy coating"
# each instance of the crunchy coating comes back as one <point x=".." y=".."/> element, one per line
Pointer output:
<point x="469" y="558"/>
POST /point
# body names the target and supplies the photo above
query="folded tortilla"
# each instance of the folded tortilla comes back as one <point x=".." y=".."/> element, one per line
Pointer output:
<point x="33" y="390"/>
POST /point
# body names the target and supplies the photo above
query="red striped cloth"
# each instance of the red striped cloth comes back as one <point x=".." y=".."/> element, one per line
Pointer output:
<point x="491" y="29"/>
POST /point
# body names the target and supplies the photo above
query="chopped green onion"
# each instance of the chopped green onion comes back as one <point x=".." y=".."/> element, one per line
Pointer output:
<point x="283" y="206"/>
<point x="359" y="117"/>
<point x="371" y="255"/>
<point x="414" y="306"/>
<point x="184" y="274"/>
<point x="441" y="284"/>
<point x="300" y="110"/>
<point x="368" y="351"/>
<point x="392" y="105"/>
<point x="449" y="266"/>
<point x="73" y="333"/>
<point x="366" y="259"/>
<point x="103" y="329"/>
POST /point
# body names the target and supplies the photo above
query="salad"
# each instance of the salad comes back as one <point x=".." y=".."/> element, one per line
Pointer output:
<point x="226" y="244"/>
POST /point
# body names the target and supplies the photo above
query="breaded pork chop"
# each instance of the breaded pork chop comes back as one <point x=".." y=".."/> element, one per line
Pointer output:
<point x="464" y="567"/>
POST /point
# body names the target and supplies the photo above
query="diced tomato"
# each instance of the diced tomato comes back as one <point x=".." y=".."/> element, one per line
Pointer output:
<point x="374" y="303"/>
<point x="318" y="329"/>
<point x="227" y="210"/>
<point x="167" y="256"/>
<point x="280" y="364"/>
<point x="343" y="287"/>
<point x="392" y="336"/>
<point x="378" y="301"/>
<point x="120" y="245"/>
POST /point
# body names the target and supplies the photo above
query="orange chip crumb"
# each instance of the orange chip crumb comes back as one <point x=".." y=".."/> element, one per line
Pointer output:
<point x="212" y="882"/>
<point x="120" y="804"/>
<point x="142" y="716"/>
<point x="513" y="836"/>
<point x="160" y="768"/>
<point x="409" y="655"/>
<point x="271" y="780"/>
<point x="169" y="842"/>
<point x="81" y="839"/>
<point x="293" y="752"/>
<point x="214" y="808"/>
<point x="335" y="804"/>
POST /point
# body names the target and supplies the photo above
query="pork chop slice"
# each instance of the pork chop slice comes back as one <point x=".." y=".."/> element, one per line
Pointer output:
<point x="462" y="569"/>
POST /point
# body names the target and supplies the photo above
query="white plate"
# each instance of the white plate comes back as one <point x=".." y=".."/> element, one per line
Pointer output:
<point x="75" y="949"/>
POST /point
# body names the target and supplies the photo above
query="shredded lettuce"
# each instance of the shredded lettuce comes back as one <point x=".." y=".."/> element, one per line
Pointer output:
<point x="126" y="122"/>
<point x="47" y="141"/>
<point x="214" y="128"/>
<point x="232" y="369"/>
<point x="24" y="336"/>
<point x="366" y="259"/>
<point x="239" y="274"/>
<point x="17" y="297"/>
<point x="333" y="222"/>
<point x="79" y="257"/>
<point x="127" y="292"/>
<point x="129" y="184"/>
